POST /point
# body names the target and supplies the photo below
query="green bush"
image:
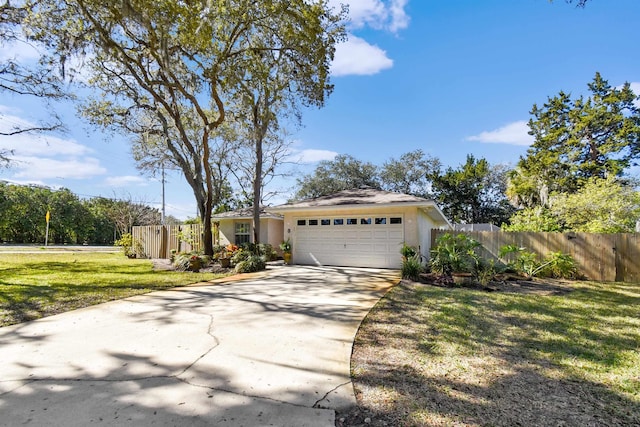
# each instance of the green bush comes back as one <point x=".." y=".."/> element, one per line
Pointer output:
<point x="555" y="264"/>
<point x="267" y="251"/>
<point x="184" y="261"/>
<point x="249" y="263"/>
<point x="485" y="271"/>
<point x="130" y="246"/>
<point x="454" y="254"/>
<point x="412" y="267"/>
<point x="407" y="251"/>
<point x="219" y="251"/>
<point x="559" y="265"/>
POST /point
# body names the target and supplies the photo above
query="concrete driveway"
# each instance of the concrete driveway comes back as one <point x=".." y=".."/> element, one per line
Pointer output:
<point x="269" y="350"/>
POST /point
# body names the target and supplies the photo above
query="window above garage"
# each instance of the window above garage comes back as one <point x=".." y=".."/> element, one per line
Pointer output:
<point x="350" y="221"/>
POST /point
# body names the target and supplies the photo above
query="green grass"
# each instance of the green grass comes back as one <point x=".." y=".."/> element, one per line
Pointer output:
<point x="437" y="356"/>
<point x="42" y="284"/>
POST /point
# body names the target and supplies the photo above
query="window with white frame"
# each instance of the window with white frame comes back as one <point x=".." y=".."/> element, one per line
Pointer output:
<point x="243" y="233"/>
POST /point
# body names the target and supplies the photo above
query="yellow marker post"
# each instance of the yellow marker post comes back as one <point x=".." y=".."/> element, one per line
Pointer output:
<point x="46" y="236"/>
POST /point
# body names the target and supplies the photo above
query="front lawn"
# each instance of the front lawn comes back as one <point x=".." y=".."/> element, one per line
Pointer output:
<point x="558" y="353"/>
<point x="37" y="285"/>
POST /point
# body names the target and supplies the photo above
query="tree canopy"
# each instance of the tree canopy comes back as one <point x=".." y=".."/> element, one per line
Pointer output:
<point x="599" y="206"/>
<point x="342" y="173"/>
<point x="576" y="139"/>
<point x="73" y="220"/>
<point x="473" y="193"/>
<point x="169" y="68"/>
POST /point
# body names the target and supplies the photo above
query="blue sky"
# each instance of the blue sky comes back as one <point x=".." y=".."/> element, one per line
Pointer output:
<point x="450" y="77"/>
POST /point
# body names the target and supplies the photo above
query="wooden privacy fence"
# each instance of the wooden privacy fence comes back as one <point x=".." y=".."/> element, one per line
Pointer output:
<point x="602" y="257"/>
<point x="158" y="240"/>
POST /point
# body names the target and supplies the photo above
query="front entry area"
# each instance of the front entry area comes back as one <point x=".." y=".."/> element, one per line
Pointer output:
<point x="349" y="241"/>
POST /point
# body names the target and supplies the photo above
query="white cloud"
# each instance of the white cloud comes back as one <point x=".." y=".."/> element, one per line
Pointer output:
<point x="39" y="156"/>
<point x="42" y="145"/>
<point x="34" y="168"/>
<point x="515" y="133"/>
<point x="357" y="57"/>
<point x="125" y="181"/>
<point x="312" y="156"/>
<point x="399" y="18"/>
<point x="33" y="143"/>
<point x="377" y="14"/>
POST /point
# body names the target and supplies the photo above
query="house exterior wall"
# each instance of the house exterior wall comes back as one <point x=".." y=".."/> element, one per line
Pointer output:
<point x="425" y="224"/>
<point x="271" y="231"/>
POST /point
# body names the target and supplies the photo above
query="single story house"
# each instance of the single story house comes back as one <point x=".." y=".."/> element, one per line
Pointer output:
<point x="362" y="227"/>
<point x="235" y="227"/>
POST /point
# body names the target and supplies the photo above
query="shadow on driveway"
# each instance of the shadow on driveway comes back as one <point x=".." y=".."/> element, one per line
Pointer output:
<point x="270" y="350"/>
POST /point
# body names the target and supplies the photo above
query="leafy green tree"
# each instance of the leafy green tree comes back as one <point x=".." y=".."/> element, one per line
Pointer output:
<point x="22" y="219"/>
<point x="102" y="230"/>
<point x="410" y="174"/>
<point x="170" y="62"/>
<point x="472" y="193"/>
<point x="575" y="140"/>
<point x="70" y="220"/>
<point x="537" y="218"/>
<point x="342" y="173"/>
<point x="600" y="206"/>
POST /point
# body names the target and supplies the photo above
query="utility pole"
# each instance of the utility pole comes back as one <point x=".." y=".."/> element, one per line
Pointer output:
<point x="163" y="203"/>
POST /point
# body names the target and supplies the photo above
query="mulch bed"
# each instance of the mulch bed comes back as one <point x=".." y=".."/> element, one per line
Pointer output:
<point x="504" y="283"/>
<point x="166" y="265"/>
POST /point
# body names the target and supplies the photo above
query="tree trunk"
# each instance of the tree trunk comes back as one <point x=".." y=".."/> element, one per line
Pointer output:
<point x="257" y="190"/>
<point x="206" y="218"/>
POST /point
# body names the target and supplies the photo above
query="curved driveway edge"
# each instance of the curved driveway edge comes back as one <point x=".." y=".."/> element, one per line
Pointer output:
<point x="269" y="350"/>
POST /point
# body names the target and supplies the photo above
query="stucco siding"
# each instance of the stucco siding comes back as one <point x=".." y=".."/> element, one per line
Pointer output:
<point x="425" y="224"/>
<point x="271" y="231"/>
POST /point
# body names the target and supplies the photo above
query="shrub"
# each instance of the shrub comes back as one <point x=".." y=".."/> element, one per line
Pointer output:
<point x="249" y="263"/>
<point x="485" y="271"/>
<point x="130" y="247"/>
<point x="262" y="249"/>
<point x="219" y="251"/>
<point x="267" y="251"/>
<point x="559" y="265"/>
<point x="412" y="267"/>
<point x="407" y="251"/>
<point x="454" y="253"/>
<point x="184" y="261"/>
<point x="555" y="264"/>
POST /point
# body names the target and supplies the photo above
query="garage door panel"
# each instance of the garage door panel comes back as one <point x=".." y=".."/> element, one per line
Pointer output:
<point x="351" y="235"/>
<point x="365" y="234"/>
<point x="381" y="248"/>
<point x="363" y="245"/>
<point x="396" y="235"/>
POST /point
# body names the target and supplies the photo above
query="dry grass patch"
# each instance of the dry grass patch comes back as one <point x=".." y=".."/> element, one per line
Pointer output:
<point x="432" y="356"/>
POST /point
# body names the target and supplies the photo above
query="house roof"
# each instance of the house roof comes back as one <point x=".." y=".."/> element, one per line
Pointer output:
<point x="246" y="213"/>
<point x="363" y="197"/>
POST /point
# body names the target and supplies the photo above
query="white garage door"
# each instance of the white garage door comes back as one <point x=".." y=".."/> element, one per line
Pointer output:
<point x="349" y="241"/>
